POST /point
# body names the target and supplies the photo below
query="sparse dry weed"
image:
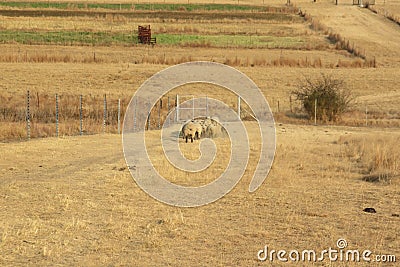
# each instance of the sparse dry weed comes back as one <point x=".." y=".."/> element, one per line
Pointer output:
<point x="376" y="156"/>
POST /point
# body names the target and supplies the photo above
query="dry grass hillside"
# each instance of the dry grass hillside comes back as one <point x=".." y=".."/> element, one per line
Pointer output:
<point x="374" y="33"/>
<point x="71" y="201"/>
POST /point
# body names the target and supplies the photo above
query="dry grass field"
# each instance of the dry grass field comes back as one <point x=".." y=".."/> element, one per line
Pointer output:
<point x="71" y="201"/>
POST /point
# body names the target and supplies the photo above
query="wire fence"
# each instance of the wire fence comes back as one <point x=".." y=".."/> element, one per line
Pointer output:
<point x="43" y="115"/>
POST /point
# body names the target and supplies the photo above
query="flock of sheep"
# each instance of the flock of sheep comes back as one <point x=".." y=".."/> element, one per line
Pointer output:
<point x="201" y="128"/>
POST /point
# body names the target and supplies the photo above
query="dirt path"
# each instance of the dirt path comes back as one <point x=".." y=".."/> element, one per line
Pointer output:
<point x="50" y="158"/>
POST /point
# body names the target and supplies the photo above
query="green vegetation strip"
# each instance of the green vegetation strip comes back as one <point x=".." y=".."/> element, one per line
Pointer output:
<point x="231" y="41"/>
<point x="148" y="6"/>
<point x="125" y="38"/>
<point x="67" y="38"/>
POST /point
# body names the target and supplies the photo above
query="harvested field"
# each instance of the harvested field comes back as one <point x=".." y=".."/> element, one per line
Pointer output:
<point x="71" y="207"/>
<point x="71" y="200"/>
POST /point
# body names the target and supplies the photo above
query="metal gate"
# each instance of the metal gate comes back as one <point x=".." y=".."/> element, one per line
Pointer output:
<point x="189" y="107"/>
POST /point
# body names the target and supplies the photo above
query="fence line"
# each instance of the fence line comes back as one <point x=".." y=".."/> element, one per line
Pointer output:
<point x="105" y="114"/>
<point x="182" y="106"/>
<point x="40" y="116"/>
<point x="315" y="111"/>
<point x="62" y="115"/>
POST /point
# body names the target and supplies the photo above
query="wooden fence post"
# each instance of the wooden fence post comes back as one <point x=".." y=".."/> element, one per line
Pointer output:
<point x="37" y="96"/>
<point x="80" y="115"/>
<point x="315" y="112"/>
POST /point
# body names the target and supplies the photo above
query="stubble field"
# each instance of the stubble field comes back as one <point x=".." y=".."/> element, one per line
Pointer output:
<point x="72" y="201"/>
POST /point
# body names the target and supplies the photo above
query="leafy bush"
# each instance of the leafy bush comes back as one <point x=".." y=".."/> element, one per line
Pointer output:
<point x="333" y="98"/>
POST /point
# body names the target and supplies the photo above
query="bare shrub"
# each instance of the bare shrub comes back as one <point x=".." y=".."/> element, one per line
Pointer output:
<point x="333" y="98"/>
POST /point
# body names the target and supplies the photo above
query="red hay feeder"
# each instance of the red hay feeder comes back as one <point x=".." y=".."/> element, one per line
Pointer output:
<point x="144" y="35"/>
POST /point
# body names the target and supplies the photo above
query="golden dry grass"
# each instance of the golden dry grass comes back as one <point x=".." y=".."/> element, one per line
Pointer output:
<point x="361" y="27"/>
<point x="291" y="34"/>
<point x="243" y="2"/>
<point x="122" y="80"/>
<point x="174" y="55"/>
<point x="71" y="200"/>
<point x="170" y="25"/>
<point x="76" y="204"/>
<point x="377" y="155"/>
<point x="388" y="8"/>
<point x="190" y="151"/>
<point x="375" y="90"/>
